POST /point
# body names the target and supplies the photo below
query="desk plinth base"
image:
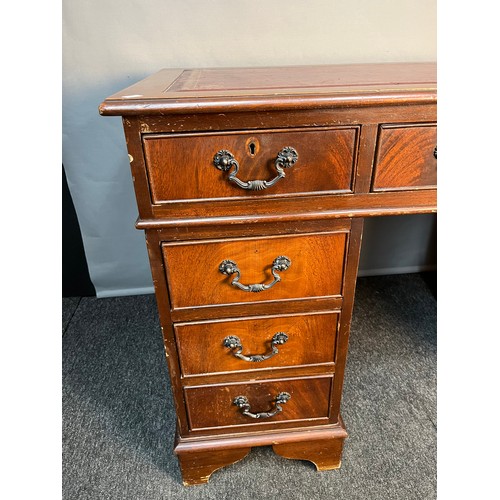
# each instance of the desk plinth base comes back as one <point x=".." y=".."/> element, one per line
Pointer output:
<point x="200" y="457"/>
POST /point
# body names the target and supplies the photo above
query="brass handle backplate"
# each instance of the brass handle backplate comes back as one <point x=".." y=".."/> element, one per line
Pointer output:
<point x="224" y="160"/>
<point x="229" y="267"/>
<point x="234" y="343"/>
<point x="242" y="403"/>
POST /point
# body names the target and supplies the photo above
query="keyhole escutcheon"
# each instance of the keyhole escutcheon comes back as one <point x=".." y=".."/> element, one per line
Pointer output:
<point x="252" y="146"/>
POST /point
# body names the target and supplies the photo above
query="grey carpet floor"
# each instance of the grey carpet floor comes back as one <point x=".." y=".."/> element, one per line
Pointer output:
<point x="118" y="417"/>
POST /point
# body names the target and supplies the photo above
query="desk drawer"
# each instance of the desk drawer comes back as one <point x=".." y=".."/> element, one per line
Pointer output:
<point x="205" y="347"/>
<point x="212" y="272"/>
<point x="405" y="158"/>
<point x="181" y="166"/>
<point x="214" y="406"/>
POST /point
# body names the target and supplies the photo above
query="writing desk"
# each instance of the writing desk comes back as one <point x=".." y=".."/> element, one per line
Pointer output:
<point x="252" y="185"/>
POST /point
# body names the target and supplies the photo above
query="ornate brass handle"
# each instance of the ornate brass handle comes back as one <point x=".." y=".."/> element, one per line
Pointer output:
<point x="229" y="267"/>
<point x="242" y="403"/>
<point x="234" y="343"/>
<point x="224" y="160"/>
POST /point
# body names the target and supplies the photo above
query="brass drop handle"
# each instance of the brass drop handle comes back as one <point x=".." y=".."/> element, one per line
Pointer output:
<point x="229" y="267"/>
<point x="242" y="403"/>
<point x="234" y="343"/>
<point x="435" y="152"/>
<point x="224" y="160"/>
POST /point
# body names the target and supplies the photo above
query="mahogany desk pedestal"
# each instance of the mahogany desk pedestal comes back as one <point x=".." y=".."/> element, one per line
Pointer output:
<point x="252" y="185"/>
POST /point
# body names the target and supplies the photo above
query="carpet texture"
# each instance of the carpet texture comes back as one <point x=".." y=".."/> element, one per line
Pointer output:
<point x="119" y="422"/>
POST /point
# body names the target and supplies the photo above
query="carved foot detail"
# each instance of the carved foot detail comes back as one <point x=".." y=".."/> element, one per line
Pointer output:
<point x="324" y="454"/>
<point x="198" y="466"/>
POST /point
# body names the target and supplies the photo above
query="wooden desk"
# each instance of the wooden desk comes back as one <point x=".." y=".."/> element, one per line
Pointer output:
<point x="252" y="185"/>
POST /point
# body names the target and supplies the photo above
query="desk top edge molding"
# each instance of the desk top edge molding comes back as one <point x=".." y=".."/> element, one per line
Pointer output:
<point x="212" y="90"/>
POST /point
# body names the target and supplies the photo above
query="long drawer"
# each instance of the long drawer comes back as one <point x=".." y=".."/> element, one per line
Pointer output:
<point x="216" y="405"/>
<point x="250" y="270"/>
<point x="250" y="344"/>
<point x="406" y="157"/>
<point x="314" y="160"/>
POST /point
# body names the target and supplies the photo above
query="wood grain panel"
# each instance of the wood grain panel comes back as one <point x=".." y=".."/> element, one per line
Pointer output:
<point x="405" y="158"/>
<point x="311" y="340"/>
<point x="295" y="209"/>
<point x="197" y="466"/>
<point x="255" y="437"/>
<point x="287" y="119"/>
<point x="255" y="375"/>
<point x="212" y="406"/>
<point x="317" y="263"/>
<point x="269" y="307"/>
<point x="247" y="228"/>
<point x="325" y="454"/>
<point x="325" y="163"/>
<point x="346" y="317"/>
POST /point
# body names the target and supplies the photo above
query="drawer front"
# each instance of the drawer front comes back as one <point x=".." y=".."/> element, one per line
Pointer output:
<point x="203" y="348"/>
<point x="405" y="158"/>
<point x="213" y="406"/>
<point x="195" y="279"/>
<point x="181" y="167"/>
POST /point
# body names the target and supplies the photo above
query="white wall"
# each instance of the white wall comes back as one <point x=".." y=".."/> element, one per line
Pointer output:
<point x="108" y="45"/>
